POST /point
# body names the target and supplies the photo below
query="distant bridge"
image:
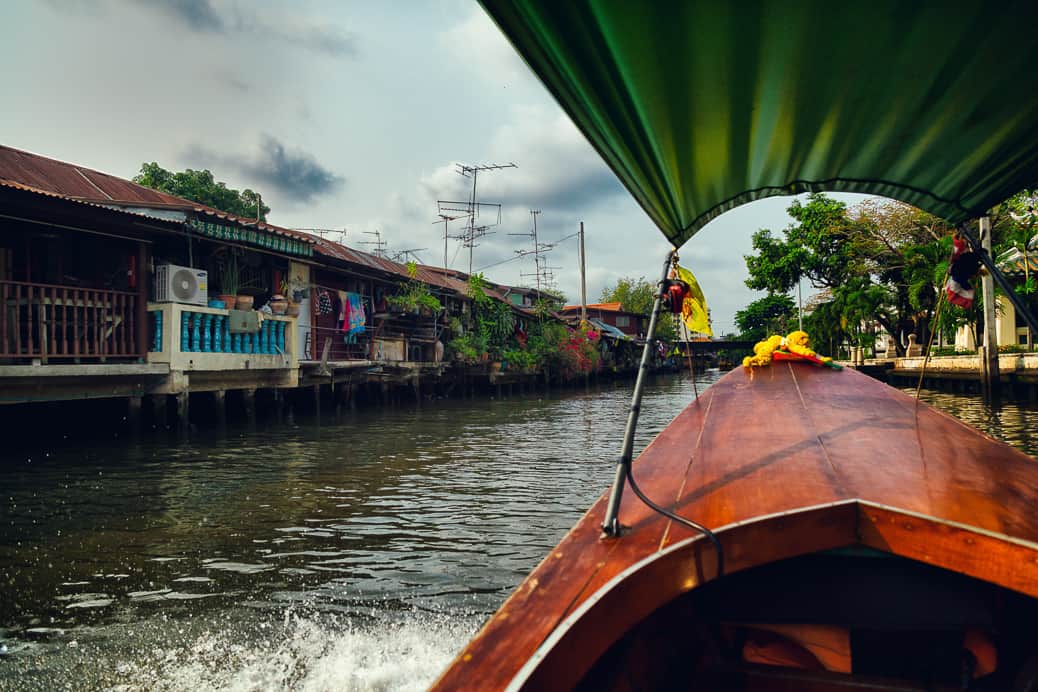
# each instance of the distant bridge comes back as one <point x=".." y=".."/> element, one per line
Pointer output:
<point x="703" y="347"/>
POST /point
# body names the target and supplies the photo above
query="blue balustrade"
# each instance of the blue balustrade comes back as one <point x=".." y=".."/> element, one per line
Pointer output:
<point x="185" y="334"/>
<point x="217" y="333"/>
<point x="156" y="344"/>
<point x="196" y="335"/>
<point x="210" y="333"/>
<point x="207" y="334"/>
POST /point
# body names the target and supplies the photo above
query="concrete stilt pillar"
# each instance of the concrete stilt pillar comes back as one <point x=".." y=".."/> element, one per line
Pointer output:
<point x="133" y="414"/>
<point x="279" y="406"/>
<point x="159" y="414"/>
<point x="183" y="411"/>
<point x="248" y="397"/>
<point x="220" y="407"/>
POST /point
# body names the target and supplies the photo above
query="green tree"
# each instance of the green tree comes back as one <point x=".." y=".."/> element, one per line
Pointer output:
<point x="201" y="187"/>
<point x="775" y="313"/>
<point x="881" y="262"/>
<point x="638" y="296"/>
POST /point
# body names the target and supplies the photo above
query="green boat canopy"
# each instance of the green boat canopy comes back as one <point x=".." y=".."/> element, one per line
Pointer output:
<point x="700" y="106"/>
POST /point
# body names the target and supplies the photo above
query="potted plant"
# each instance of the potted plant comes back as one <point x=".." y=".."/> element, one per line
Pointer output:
<point x="414" y="296"/>
<point x="293" y="304"/>
<point x="230" y="280"/>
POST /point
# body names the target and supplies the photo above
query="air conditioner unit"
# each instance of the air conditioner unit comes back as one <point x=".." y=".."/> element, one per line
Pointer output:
<point x="174" y="284"/>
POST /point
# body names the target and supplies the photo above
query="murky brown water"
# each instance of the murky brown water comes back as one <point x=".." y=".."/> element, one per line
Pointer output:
<point x="358" y="554"/>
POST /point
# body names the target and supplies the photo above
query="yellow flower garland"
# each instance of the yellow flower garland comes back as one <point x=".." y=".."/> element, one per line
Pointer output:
<point x="797" y="342"/>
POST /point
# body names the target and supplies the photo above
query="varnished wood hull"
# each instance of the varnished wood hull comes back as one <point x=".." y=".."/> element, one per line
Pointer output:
<point x="781" y="462"/>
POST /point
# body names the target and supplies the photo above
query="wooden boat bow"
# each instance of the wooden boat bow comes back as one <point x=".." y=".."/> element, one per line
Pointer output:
<point x="781" y="461"/>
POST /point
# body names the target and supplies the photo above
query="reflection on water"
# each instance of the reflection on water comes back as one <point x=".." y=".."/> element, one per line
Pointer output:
<point x="359" y="554"/>
<point x="1003" y="420"/>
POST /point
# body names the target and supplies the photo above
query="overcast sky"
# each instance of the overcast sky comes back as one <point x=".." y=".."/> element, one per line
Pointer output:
<point x="345" y="115"/>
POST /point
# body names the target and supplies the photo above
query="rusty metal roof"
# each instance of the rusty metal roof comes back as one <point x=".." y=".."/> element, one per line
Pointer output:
<point x="28" y="189"/>
<point x="85" y="184"/>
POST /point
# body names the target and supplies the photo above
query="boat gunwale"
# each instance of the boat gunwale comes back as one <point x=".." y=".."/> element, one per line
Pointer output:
<point x="542" y="667"/>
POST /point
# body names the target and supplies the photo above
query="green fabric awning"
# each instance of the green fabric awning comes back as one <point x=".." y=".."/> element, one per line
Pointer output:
<point x="700" y="106"/>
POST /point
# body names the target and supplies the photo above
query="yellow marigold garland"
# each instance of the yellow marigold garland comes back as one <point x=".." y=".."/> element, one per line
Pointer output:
<point x="793" y="346"/>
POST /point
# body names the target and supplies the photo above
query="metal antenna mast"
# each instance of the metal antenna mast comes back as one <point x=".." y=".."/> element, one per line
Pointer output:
<point x="472" y="231"/>
<point x="451" y="210"/>
<point x="326" y="233"/>
<point x="380" y="245"/>
<point x="541" y="271"/>
<point x="404" y="255"/>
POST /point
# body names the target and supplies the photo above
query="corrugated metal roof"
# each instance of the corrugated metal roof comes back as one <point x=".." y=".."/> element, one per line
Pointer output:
<point x="604" y="307"/>
<point x="84" y="184"/>
<point x="26" y="171"/>
<point x="27" y="189"/>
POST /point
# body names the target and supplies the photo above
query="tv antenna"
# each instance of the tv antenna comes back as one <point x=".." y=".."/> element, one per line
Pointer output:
<point x="380" y="245"/>
<point x="326" y="233"/>
<point x="472" y="231"/>
<point x="542" y="274"/>
<point x="405" y="255"/>
<point x="451" y="210"/>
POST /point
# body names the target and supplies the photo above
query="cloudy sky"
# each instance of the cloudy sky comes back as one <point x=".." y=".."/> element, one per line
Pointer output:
<point x="345" y="115"/>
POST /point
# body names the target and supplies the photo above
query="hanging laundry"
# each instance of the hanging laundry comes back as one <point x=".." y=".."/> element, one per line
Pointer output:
<point x="324" y="302"/>
<point x="356" y="317"/>
<point x="344" y="310"/>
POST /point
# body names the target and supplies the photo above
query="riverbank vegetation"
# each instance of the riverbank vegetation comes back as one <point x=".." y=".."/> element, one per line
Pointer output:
<point x="493" y="331"/>
<point x="877" y="265"/>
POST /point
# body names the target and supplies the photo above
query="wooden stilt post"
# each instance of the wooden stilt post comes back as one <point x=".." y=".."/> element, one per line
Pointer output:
<point x="989" y="352"/>
<point x="317" y="401"/>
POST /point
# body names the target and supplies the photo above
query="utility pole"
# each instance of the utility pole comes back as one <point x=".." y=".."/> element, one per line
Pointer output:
<point x="800" y="304"/>
<point x="989" y="364"/>
<point x="583" y="283"/>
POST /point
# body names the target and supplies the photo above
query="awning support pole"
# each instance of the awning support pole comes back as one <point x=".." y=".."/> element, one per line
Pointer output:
<point x="612" y="526"/>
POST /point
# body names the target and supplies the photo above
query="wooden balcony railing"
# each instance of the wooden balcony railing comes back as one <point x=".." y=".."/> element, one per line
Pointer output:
<point x="66" y="322"/>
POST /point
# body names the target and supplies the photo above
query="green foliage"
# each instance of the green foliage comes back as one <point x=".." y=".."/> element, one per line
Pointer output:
<point x="464" y="348"/>
<point x="881" y="262"/>
<point x="231" y="276"/>
<point x="493" y="319"/>
<point x="638" y="296"/>
<point x="200" y="186"/>
<point x="519" y="359"/>
<point x="415" y="294"/>
<point x="772" y="314"/>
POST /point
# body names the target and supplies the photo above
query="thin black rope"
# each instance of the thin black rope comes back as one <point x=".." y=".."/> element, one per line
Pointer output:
<point x="695" y="526"/>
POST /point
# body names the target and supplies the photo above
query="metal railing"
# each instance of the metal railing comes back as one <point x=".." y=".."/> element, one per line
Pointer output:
<point x="67" y="322"/>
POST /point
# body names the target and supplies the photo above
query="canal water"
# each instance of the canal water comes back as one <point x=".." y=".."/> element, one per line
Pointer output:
<point x="357" y="554"/>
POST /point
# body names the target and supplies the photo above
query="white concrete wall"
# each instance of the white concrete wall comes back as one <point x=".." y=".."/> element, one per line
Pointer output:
<point x="187" y="361"/>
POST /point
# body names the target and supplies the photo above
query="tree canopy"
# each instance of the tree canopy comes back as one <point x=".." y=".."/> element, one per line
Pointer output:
<point x="775" y="313"/>
<point x="880" y="264"/>
<point x="202" y="187"/>
<point x="638" y="296"/>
